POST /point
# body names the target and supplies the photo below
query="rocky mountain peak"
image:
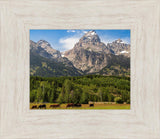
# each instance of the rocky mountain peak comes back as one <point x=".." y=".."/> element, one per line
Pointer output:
<point x="89" y="54"/>
<point x="44" y="44"/>
<point x="90" y="42"/>
<point x="119" y="47"/>
<point x="44" y="49"/>
<point x="90" y="37"/>
<point x="91" y="33"/>
<point x="118" y="41"/>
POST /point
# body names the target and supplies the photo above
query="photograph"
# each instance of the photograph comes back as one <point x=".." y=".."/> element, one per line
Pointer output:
<point x="80" y="69"/>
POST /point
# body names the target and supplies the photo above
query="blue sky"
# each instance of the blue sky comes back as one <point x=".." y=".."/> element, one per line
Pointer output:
<point x="63" y="40"/>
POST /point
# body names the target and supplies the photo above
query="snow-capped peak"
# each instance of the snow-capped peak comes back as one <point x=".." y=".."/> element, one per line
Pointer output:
<point x="91" y="33"/>
<point x="90" y="37"/>
<point x="119" y="41"/>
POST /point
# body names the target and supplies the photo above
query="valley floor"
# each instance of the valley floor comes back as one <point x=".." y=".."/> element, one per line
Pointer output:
<point x="84" y="106"/>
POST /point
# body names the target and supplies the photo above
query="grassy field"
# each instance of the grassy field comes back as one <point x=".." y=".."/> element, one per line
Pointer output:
<point x="85" y="106"/>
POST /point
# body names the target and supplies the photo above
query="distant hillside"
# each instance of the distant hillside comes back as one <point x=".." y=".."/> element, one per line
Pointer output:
<point x="119" y="65"/>
<point x="40" y="66"/>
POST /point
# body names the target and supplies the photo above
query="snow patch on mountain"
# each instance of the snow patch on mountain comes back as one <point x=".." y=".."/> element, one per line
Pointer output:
<point x="123" y="52"/>
<point x="93" y="33"/>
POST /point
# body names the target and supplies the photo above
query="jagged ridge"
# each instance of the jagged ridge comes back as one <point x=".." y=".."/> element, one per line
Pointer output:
<point x="89" y="55"/>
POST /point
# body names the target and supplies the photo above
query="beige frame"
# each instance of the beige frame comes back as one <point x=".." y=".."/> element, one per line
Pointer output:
<point x="18" y="121"/>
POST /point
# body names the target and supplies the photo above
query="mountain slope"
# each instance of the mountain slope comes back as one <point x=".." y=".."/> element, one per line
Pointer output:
<point x="118" y="65"/>
<point x="40" y="66"/>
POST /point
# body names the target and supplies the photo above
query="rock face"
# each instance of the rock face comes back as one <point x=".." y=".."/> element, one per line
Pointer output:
<point x="89" y="54"/>
<point x="44" y="49"/>
<point x="91" y="42"/>
<point x="118" y="47"/>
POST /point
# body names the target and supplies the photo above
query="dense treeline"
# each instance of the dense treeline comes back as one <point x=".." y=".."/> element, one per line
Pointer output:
<point x="80" y="89"/>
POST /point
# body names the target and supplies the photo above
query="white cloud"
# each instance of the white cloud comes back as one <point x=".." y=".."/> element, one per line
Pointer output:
<point x="84" y="31"/>
<point x="68" y="43"/>
<point x="71" y="31"/>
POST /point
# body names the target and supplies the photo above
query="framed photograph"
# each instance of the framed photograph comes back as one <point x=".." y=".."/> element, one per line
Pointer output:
<point x="79" y="69"/>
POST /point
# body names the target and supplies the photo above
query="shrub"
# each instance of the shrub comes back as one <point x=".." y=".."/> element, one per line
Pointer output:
<point x="118" y="100"/>
<point x="128" y="101"/>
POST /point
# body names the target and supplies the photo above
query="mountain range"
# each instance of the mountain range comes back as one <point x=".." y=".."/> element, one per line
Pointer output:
<point x="88" y="56"/>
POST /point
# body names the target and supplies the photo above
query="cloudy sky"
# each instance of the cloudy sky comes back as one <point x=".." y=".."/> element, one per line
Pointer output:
<point x="63" y="40"/>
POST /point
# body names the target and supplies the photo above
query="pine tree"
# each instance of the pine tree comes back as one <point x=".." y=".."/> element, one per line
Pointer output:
<point x="67" y="88"/>
<point x="61" y="96"/>
<point x="100" y="94"/>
